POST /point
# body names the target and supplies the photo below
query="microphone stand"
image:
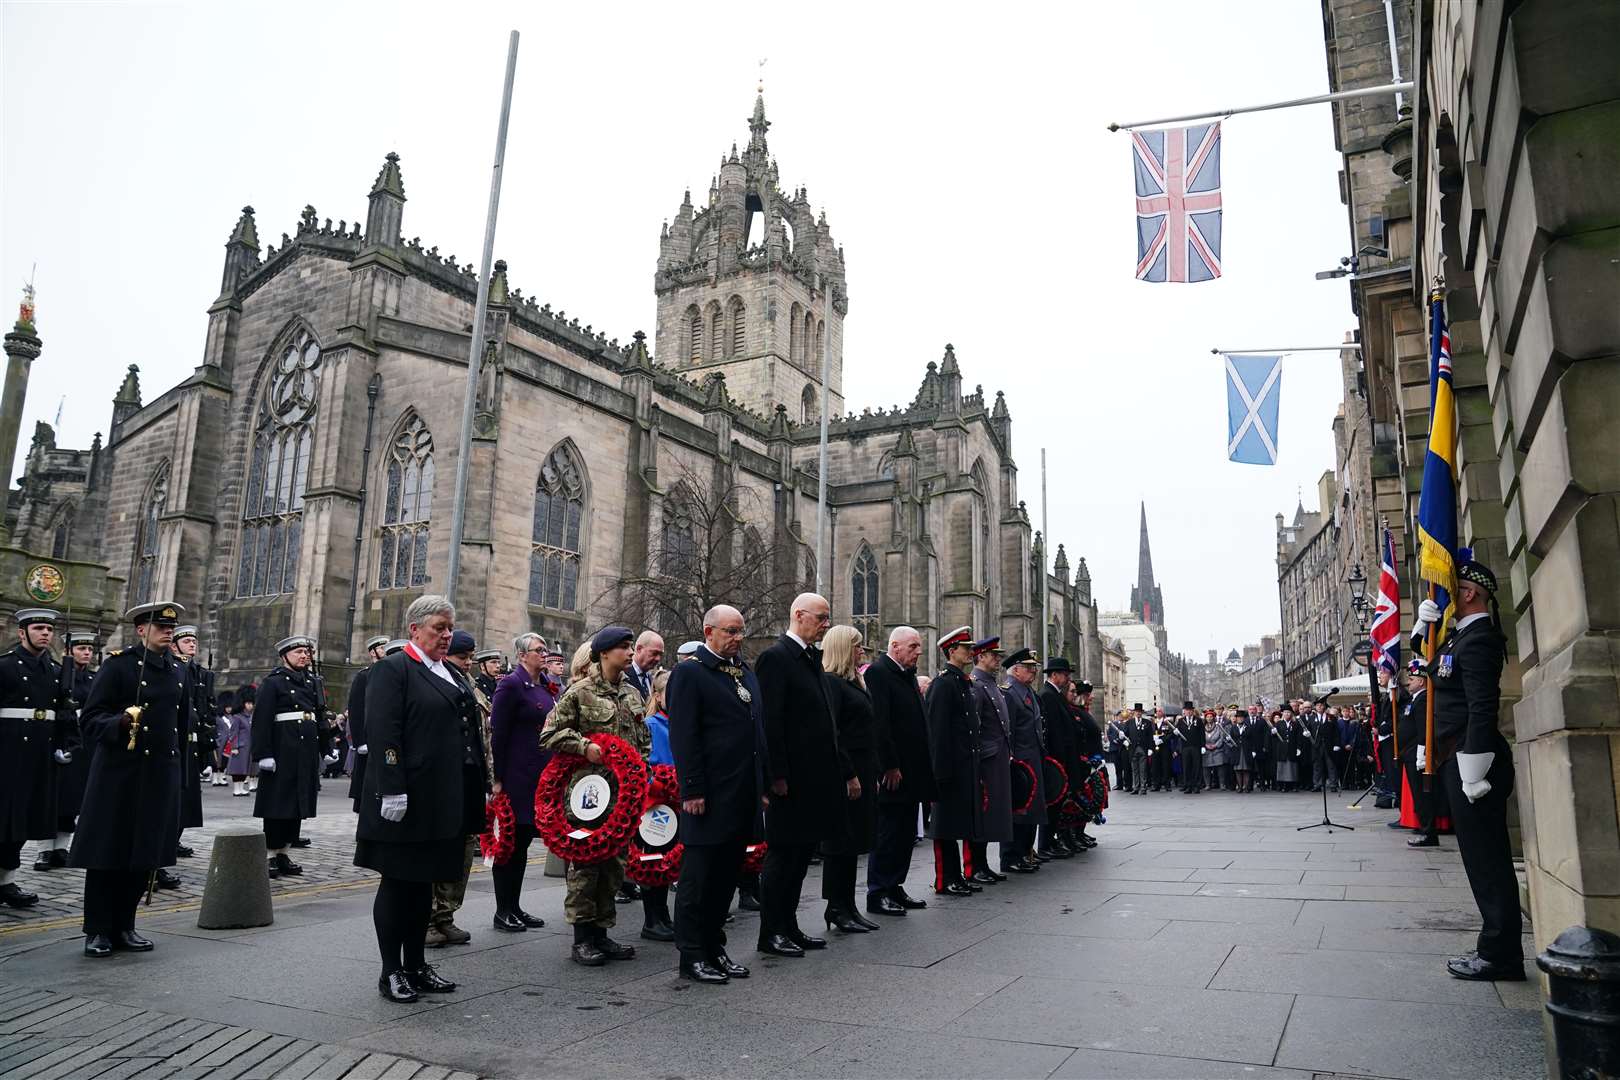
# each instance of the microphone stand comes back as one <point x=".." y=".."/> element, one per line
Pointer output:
<point x="1326" y="822"/>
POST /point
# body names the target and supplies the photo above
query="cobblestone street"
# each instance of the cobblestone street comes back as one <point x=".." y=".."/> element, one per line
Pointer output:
<point x="1205" y="937"/>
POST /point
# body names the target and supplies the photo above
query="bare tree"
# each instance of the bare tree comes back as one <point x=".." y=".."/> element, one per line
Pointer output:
<point x="707" y="553"/>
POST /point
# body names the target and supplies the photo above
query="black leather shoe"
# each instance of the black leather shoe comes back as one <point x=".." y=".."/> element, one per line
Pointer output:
<point x="780" y="945"/>
<point x="1018" y="867"/>
<point x="183" y="852"/>
<point x="586" y="952"/>
<point x="971" y="887"/>
<point x="505" y="920"/>
<point x="533" y="922"/>
<point x="97" y="946"/>
<point x="302" y="841"/>
<point x="992" y="874"/>
<point x="165" y="880"/>
<point x="59" y="859"/>
<point x="862" y="919"/>
<point x="747" y="901"/>
<point x="1037" y="857"/>
<point x="955" y="888"/>
<point x="395" y="986"/>
<point x="879" y="904"/>
<point x="426" y="980"/>
<point x="274" y="872"/>
<point x="701" y="971"/>
<point x="1051" y="853"/>
<point x="44" y="861"/>
<point x="628" y="893"/>
<point x="130" y="941"/>
<point x="843" y="921"/>
<point x="1423" y="841"/>
<point x="285" y="866"/>
<point x="805" y="941"/>
<point x="906" y="900"/>
<point x="12" y="895"/>
<point x="615" y="951"/>
<point x="658" y="932"/>
<point x="1478" y="969"/>
<point x="729" y="966"/>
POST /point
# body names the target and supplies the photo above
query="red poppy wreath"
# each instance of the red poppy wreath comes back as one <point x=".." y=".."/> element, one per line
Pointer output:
<point x="1022" y="766"/>
<point x="655" y="846"/>
<point x="499" y="837"/>
<point x="587" y="813"/>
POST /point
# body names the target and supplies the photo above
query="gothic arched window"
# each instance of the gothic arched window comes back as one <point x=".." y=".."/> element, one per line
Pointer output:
<point x="796" y="335"/>
<point x="863" y="595"/>
<point x="283" y="435"/>
<point x="559" y="512"/>
<point x="146" y="538"/>
<point x="717" y="331"/>
<point x="694" y="334"/>
<point x="821" y="331"/>
<point x="808" y="337"/>
<point x="807" y="404"/>
<point x="408" y="508"/>
<point x="62" y="535"/>
<point x="737" y="316"/>
<point x="679" y="540"/>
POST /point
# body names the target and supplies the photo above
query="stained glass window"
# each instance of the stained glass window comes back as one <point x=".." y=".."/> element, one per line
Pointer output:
<point x="559" y="508"/>
<point x="278" y="472"/>
<point x="407" y="507"/>
<point x="146" y="541"/>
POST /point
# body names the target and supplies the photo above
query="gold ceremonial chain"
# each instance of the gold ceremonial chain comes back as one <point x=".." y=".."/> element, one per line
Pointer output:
<point x="737" y="673"/>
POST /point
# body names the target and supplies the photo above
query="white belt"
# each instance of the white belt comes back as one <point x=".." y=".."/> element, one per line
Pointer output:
<point x="282" y="716"/>
<point x="27" y="714"/>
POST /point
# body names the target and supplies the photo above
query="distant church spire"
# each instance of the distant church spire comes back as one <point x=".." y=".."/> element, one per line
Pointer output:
<point x="1146" y="599"/>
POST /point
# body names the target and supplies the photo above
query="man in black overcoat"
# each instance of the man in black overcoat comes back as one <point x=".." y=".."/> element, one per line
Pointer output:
<point x="1024" y="723"/>
<point x="1062" y="743"/>
<point x="717" y="737"/>
<point x="900" y="732"/>
<point x="288" y="727"/>
<point x="806" y="781"/>
<point x="197" y="745"/>
<point x="71" y="773"/>
<point x="357" y="719"/>
<point x="994" y="765"/>
<point x="138" y="709"/>
<point x="1189" y="742"/>
<point x="35" y="724"/>
<point x="953" y="745"/>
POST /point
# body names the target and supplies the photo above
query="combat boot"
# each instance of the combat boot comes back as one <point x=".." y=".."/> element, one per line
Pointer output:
<point x="585" y="950"/>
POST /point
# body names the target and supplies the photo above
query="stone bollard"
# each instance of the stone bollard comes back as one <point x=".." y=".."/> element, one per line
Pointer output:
<point x="237" y="894"/>
<point x="1583" y="996"/>
<point x="555" y="866"/>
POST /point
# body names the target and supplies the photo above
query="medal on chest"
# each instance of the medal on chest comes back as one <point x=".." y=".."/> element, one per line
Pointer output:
<point x="742" y="691"/>
<point x="1444" y="670"/>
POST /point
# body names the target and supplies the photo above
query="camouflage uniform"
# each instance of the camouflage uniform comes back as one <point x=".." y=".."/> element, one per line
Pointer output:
<point x="593" y="706"/>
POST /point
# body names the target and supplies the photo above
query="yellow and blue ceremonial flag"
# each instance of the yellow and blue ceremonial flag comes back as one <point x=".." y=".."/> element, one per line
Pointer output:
<point x="1437" y="503"/>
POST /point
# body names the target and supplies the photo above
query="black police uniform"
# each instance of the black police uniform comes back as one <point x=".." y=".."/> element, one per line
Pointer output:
<point x="131" y="811"/>
<point x="35" y="718"/>
<point x="289" y="722"/>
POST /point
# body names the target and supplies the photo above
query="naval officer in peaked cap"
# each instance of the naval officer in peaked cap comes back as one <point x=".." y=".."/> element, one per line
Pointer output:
<point x="288" y="723"/>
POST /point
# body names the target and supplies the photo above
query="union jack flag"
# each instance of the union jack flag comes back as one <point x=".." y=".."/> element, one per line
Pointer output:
<point x="1386" y="622"/>
<point x="1178" y="203"/>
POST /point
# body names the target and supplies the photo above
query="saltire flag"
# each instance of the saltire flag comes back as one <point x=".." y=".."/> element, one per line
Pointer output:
<point x="1386" y="622"/>
<point x="1178" y="203"/>
<point x="1253" y="397"/>
<point x="1437" y="504"/>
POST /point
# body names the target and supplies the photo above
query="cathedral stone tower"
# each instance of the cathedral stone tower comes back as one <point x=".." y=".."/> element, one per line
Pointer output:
<point x="752" y="285"/>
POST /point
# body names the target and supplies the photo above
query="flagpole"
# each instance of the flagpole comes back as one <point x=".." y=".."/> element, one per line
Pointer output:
<point x="1302" y="348"/>
<point x="1315" y="99"/>
<point x="821" y="458"/>
<point x="475" y="352"/>
<point x="1046" y="591"/>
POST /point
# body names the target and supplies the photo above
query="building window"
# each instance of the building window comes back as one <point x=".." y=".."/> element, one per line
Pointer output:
<point x="796" y="335"/>
<point x="62" y="536"/>
<point x="559" y="510"/>
<point x="807" y="404"/>
<point x="738" y="317"/>
<point x="678" y="556"/>
<point x="863" y="596"/>
<point x="408" y="508"/>
<point x="694" y="334"/>
<point x="717" y="331"/>
<point x="283" y="435"/>
<point x="146" y="540"/>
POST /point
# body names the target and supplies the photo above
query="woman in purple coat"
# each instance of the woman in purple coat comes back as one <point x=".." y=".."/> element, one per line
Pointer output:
<point x="238" y="760"/>
<point x="517" y="714"/>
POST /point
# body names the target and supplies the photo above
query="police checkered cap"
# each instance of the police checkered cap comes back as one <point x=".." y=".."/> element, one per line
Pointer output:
<point x="1479" y="574"/>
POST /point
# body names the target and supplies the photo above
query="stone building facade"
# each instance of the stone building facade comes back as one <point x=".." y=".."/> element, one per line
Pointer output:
<point x="1317" y="634"/>
<point x="300" y="480"/>
<point x="1499" y="187"/>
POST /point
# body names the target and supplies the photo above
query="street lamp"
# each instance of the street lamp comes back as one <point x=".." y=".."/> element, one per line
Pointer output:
<point x="1358" y="586"/>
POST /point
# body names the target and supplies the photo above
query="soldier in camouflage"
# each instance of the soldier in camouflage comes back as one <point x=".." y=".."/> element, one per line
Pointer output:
<point x="603" y="702"/>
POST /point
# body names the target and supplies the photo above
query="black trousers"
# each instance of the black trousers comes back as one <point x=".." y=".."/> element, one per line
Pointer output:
<point x="838" y="880"/>
<point x="279" y="832"/>
<point x="1426" y="805"/>
<point x="110" y="898"/>
<point x="400" y="913"/>
<point x="1023" y="841"/>
<point x="507" y="877"/>
<point x="947" y="864"/>
<point x="890" y="857"/>
<point x="1192" y="769"/>
<point x="780" y="884"/>
<point x="1482" y="841"/>
<point x="708" y="877"/>
<point x="11" y="854"/>
<point x="1048" y="831"/>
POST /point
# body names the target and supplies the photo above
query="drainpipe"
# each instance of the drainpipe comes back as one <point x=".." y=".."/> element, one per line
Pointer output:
<point x="372" y="388"/>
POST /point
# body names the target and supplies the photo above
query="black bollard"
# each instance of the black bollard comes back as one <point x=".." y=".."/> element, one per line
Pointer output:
<point x="1583" y="996"/>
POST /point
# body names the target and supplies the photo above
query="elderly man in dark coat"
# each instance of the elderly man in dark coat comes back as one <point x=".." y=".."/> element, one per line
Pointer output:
<point x="953" y="746"/>
<point x="1062" y="743"/>
<point x="994" y="765"/>
<point x="139" y="708"/>
<point x="808" y="783"/>
<point x="1024" y="723"/>
<point x="717" y="737"/>
<point x="906" y="780"/>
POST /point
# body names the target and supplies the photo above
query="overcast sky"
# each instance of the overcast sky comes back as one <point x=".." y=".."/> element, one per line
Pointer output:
<point x="958" y="150"/>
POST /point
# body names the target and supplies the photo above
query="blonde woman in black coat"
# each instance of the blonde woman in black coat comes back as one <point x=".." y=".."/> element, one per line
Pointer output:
<point x="841" y="658"/>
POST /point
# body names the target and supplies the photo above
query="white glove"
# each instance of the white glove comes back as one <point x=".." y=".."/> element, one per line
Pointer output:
<point x="1476" y="790"/>
<point x="330" y="758"/>
<point x="1428" y="612"/>
<point x="1423" y="756"/>
<point x="1472" y="769"/>
<point x="267" y="764"/>
<point x="1296" y="753"/>
<point x="361" y="749"/>
<point x="62" y="757"/>
<point x="393" y="807"/>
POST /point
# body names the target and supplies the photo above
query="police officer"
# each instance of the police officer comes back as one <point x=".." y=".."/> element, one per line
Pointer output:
<point x="604" y="702"/>
<point x="1476" y="767"/>
<point x="953" y="746"/>
<point x="357" y="719"/>
<point x="34" y="724"/>
<point x="70" y="774"/>
<point x="198" y="743"/>
<point x="288" y="722"/>
<point x="138" y="707"/>
<point x="488" y="672"/>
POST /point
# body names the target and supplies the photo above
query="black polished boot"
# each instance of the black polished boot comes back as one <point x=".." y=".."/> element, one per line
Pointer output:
<point x="585" y="950"/>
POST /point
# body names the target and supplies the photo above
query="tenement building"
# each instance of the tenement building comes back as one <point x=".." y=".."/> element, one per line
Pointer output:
<point x="301" y="479"/>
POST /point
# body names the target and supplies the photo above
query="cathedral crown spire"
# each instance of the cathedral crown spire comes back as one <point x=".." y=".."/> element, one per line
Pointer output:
<point x="758" y="125"/>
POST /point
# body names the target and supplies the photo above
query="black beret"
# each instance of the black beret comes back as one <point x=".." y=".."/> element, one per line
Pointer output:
<point x="611" y="637"/>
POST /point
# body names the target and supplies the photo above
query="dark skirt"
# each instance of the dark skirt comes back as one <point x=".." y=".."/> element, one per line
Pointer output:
<point x="421" y="860"/>
<point x="860" y="815"/>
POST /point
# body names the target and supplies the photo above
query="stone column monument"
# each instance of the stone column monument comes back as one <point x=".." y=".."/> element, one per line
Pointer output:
<point x="22" y="346"/>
